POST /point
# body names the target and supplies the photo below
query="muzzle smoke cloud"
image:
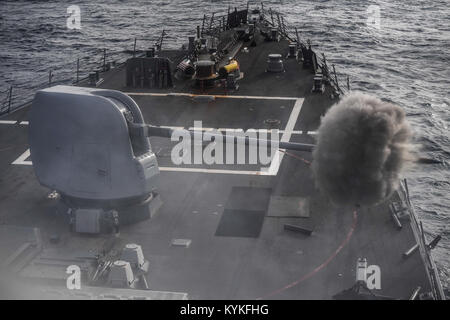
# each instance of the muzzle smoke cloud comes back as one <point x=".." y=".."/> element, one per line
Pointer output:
<point x="362" y="147"/>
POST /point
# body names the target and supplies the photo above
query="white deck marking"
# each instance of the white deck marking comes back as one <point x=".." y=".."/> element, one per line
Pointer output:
<point x="278" y="157"/>
<point x="217" y="171"/>
<point x="23" y="159"/>
<point x="230" y="130"/>
<point x="8" y="121"/>
<point x="270" y="171"/>
<point x="191" y="95"/>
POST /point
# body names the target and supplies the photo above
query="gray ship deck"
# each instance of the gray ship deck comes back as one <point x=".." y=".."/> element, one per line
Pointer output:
<point x="234" y="215"/>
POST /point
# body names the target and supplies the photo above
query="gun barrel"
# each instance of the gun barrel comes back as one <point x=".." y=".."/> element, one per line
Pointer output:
<point x="152" y="131"/>
<point x="167" y="133"/>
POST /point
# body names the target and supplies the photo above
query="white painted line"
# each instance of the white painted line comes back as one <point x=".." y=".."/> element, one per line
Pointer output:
<point x="278" y="157"/>
<point x="217" y="171"/>
<point x="193" y="128"/>
<point x="23" y="159"/>
<point x="271" y="171"/>
<point x="231" y="130"/>
<point x="191" y="95"/>
<point x="202" y="129"/>
<point x="264" y="172"/>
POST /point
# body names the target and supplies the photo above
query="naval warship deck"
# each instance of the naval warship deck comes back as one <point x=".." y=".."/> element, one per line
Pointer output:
<point x="233" y="216"/>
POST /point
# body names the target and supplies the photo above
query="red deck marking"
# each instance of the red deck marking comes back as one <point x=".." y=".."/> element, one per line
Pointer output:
<point x="296" y="157"/>
<point x="323" y="265"/>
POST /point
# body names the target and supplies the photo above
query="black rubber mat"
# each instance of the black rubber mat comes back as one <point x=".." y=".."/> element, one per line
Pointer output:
<point x="244" y="212"/>
<point x="240" y="223"/>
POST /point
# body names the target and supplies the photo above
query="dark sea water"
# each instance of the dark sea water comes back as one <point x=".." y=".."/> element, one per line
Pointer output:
<point x="406" y="61"/>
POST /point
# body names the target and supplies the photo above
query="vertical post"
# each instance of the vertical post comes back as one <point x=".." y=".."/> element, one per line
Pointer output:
<point x="271" y="17"/>
<point x="279" y="22"/>
<point x="203" y="24"/>
<point x="78" y="70"/>
<point x="160" y="42"/>
<point x="10" y="98"/>
<point x="298" y="38"/>
<point x="325" y="65"/>
<point x="335" y="77"/>
<point x="198" y="32"/>
<point x="248" y="3"/>
<point x="134" y="48"/>
<point x="224" y="23"/>
<point x="211" y="22"/>
<point x="348" y="83"/>
<point x="422" y="234"/>
<point x="104" y="60"/>
<point x="283" y="27"/>
<point x="50" y="76"/>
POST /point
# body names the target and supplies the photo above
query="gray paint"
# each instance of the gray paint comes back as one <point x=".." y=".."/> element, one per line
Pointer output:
<point x="80" y="145"/>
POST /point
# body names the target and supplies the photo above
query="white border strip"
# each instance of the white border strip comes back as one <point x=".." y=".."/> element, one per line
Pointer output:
<point x="217" y="171"/>
<point x="191" y="95"/>
<point x="271" y="171"/>
<point x="229" y="130"/>
<point x="23" y="159"/>
<point x="278" y="157"/>
<point x="8" y="121"/>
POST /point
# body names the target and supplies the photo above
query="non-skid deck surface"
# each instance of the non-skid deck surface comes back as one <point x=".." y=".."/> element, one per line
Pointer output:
<point x="239" y="246"/>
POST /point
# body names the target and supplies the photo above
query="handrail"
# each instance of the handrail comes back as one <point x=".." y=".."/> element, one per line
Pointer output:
<point x="217" y="22"/>
<point x="213" y="24"/>
<point x="430" y="266"/>
<point x="20" y="95"/>
<point x="277" y="20"/>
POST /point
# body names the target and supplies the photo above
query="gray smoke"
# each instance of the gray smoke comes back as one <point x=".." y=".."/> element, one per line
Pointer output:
<point x="362" y="147"/>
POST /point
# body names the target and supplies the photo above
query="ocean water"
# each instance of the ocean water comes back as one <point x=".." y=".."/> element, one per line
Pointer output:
<point x="405" y="60"/>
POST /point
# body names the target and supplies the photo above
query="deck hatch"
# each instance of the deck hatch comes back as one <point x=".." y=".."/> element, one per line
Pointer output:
<point x="244" y="212"/>
<point x="240" y="223"/>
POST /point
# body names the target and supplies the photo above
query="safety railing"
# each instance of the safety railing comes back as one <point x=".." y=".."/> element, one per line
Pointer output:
<point x="419" y="234"/>
<point x="277" y="20"/>
<point x="18" y="95"/>
<point x="216" y="23"/>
